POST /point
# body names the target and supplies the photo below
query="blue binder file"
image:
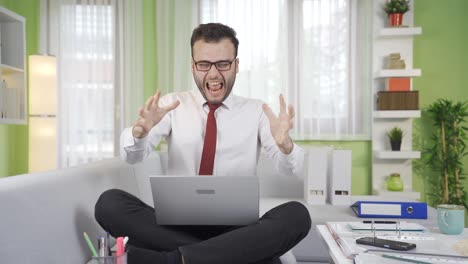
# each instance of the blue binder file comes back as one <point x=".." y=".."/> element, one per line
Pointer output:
<point x="373" y="209"/>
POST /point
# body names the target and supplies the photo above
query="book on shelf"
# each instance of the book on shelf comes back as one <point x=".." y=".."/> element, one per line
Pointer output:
<point x="2" y="101"/>
<point x="398" y="84"/>
<point x="406" y="100"/>
<point x="10" y="102"/>
<point x="395" y="61"/>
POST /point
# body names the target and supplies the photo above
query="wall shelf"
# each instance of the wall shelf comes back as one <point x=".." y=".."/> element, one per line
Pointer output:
<point x="397" y="155"/>
<point x="385" y="41"/>
<point x="7" y="69"/>
<point x="398" y="73"/>
<point x="400" y="31"/>
<point x="399" y="196"/>
<point x="13" y="92"/>
<point x="398" y="114"/>
<point x="10" y="121"/>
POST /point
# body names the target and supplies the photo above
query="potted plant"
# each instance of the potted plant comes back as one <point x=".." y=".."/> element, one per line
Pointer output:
<point x="395" y="10"/>
<point x="445" y="152"/>
<point x="395" y="183"/>
<point x="395" y="135"/>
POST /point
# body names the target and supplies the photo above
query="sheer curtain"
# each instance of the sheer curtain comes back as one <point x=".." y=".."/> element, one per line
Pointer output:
<point x="175" y="21"/>
<point x="311" y="51"/>
<point x="98" y="47"/>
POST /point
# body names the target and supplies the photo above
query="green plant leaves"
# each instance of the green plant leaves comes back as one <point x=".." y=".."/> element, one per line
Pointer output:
<point x="445" y="152"/>
<point x="397" y="6"/>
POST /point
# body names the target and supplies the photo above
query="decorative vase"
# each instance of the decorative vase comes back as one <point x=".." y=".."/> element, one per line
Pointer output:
<point x="395" y="19"/>
<point x="394" y="183"/>
<point x="396" y="145"/>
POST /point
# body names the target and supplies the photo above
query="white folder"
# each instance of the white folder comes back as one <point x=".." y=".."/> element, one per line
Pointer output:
<point x="315" y="180"/>
<point x="339" y="185"/>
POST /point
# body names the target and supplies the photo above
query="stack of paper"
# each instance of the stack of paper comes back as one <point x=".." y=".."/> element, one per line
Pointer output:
<point x="430" y="247"/>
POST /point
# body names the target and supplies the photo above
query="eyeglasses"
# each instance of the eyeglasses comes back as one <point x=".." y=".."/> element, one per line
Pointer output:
<point x="205" y="66"/>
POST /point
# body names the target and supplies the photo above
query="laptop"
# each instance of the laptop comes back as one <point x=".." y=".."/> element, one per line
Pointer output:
<point x="205" y="200"/>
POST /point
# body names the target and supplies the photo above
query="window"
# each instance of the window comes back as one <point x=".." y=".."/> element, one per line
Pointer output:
<point x="305" y="49"/>
<point x="87" y="83"/>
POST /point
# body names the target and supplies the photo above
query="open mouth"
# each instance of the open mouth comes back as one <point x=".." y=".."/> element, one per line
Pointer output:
<point x="214" y="87"/>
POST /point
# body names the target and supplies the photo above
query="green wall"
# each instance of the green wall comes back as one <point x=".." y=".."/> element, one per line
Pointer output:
<point x="442" y="54"/>
<point x="14" y="138"/>
<point x="149" y="49"/>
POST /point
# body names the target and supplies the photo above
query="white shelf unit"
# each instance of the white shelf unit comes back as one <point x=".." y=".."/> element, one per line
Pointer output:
<point x="385" y="161"/>
<point x="398" y="73"/>
<point x="397" y="155"/>
<point x="13" y="93"/>
<point x="399" y="196"/>
<point x="402" y="114"/>
<point x="400" y="32"/>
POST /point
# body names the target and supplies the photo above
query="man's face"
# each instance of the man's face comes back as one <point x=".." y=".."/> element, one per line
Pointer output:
<point x="215" y="85"/>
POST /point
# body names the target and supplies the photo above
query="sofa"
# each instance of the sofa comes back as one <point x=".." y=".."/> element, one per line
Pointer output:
<point x="44" y="215"/>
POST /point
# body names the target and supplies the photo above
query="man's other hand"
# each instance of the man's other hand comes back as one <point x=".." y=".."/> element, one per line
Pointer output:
<point x="281" y="124"/>
<point x="150" y="115"/>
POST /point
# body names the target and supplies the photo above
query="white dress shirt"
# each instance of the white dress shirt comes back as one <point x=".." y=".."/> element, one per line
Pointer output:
<point x="242" y="131"/>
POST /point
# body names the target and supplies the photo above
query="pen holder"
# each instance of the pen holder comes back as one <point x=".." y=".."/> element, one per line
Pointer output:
<point x="109" y="260"/>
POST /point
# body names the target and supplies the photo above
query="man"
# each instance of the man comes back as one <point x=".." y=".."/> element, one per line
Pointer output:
<point x="209" y="132"/>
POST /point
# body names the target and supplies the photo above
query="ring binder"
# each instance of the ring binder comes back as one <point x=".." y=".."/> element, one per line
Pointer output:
<point x="373" y="209"/>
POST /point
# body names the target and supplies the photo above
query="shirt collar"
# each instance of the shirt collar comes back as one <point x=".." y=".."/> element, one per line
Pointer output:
<point x="227" y="103"/>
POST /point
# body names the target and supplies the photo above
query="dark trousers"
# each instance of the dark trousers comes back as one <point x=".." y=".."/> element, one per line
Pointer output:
<point x="280" y="229"/>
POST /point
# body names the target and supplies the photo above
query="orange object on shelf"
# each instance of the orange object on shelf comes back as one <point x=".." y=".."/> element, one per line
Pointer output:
<point x="398" y="84"/>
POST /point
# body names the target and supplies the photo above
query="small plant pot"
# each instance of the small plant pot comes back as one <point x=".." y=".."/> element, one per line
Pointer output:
<point x="395" y="20"/>
<point x="395" y="183"/>
<point x="396" y="145"/>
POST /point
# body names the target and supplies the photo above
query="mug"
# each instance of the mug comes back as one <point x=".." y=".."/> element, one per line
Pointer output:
<point x="451" y="218"/>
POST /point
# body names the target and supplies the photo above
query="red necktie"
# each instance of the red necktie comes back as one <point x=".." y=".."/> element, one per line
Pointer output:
<point x="209" y="147"/>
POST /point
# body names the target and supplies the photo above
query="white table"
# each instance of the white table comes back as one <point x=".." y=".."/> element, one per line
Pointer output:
<point x="338" y="257"/>
<point x="336" y="254"/>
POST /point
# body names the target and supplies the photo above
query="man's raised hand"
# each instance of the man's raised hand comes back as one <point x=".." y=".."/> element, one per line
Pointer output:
<point x="281" y="124"/>
<point x="150" y="115"/>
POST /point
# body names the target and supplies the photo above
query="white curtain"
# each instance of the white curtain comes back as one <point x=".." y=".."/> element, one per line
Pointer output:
<point x="175" y="21"/>
<point x="312" y="51"/>
<point x="98" y="44"/>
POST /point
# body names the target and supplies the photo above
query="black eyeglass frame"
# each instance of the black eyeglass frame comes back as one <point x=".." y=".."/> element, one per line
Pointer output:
<point x="213" y="63"/>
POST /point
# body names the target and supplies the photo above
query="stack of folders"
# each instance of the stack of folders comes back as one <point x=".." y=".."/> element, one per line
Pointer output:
<point x="328" y="176"/>
<point x="430" y="247"/>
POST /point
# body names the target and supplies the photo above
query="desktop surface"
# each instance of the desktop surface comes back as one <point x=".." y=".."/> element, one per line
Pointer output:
<point x="433" y="242"/>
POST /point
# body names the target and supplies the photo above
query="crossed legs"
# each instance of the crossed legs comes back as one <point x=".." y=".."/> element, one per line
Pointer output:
<point x="280" y="229"/>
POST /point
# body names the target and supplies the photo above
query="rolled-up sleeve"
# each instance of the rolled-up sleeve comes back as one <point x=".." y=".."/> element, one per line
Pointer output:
<point x="134" y="150"/>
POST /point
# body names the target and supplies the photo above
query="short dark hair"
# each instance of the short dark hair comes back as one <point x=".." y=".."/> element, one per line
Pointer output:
<point x="214" y="32"/>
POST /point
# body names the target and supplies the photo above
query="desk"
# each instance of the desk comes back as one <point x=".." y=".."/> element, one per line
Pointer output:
<point x="313" y="248"/>
<point x="336" y="254"/>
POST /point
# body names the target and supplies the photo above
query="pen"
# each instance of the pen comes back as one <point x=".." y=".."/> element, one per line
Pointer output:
<point x="120" y="246"/>
<point x="90" y="245"/>
<point x="108" y="244"/>
<point x="102" y="246"/>
<point x="120" y="249"/>
<point x="379" y="222"/>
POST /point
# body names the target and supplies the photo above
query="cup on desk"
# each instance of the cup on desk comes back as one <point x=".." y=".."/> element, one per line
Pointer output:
<point x="109" y="260"/>
<point x="451" y="218"/>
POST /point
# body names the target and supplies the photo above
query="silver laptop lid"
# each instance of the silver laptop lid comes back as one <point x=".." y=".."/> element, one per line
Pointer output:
<point x="205" y="200"/>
